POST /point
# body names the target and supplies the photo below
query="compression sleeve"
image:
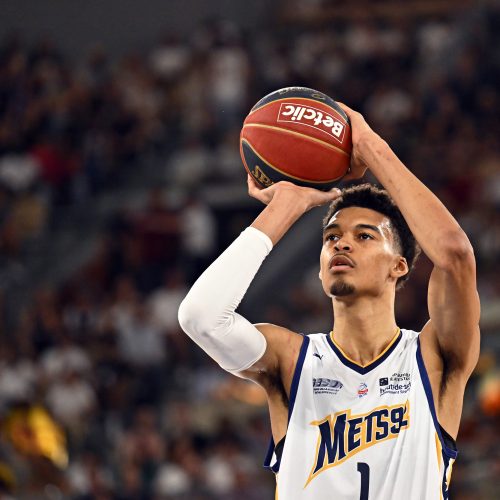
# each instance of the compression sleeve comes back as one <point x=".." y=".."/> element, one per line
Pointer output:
<point x="207" y="314"/>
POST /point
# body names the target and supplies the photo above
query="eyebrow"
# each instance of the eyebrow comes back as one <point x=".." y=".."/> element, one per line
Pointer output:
<point x="334" y="225"/>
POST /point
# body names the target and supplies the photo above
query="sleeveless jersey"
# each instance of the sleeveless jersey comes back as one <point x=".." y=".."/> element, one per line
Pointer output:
<point x="362" y="433"/>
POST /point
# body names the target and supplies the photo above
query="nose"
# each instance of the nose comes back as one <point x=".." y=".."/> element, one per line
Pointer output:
<point x="342" y="245"/>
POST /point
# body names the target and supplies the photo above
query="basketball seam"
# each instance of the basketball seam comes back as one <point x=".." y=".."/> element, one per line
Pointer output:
<point x="299" y="134"/>
<point x="346" y="122"/>
<point x="286" y="174"/>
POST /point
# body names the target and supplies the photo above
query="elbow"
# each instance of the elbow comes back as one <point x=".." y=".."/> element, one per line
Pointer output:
<point x="194" y="320"/>
<point x="457" y="251"/>
<point x="189" y="316"/>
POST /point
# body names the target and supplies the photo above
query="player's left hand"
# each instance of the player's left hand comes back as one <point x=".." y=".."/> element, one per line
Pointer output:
<point x="359" y="130"/>
<point x="304" y="197"/>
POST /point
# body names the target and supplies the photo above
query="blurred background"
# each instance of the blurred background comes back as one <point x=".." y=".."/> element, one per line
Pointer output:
<point x="120" y="180"/>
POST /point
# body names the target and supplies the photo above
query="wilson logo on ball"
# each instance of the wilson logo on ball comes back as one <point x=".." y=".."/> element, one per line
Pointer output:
<point x="312" y="117"/>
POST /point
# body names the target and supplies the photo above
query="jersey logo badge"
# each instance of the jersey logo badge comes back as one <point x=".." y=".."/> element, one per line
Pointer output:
<point x="362" y="390"/>
<point x="326" y="386"/>
<point x="342" y="435"/>
<point x="383" y="381"/>
<point x="320" y="356"/>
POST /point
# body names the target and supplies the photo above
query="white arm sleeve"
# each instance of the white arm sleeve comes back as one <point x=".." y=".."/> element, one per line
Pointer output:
<point x="207" y="314"/>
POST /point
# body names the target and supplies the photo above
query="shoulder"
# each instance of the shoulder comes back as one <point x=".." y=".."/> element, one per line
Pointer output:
<point x="409" y="338"/>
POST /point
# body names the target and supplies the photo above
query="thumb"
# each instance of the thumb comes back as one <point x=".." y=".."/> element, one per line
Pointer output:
<point x="333" y="194"/>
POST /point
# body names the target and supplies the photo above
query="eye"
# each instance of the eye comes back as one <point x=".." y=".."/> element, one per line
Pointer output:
<point x="332" y="237"/>
<point x="365" y="236"/>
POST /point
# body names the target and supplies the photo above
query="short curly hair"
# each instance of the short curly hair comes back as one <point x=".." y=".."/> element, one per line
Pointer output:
<point x="374" y="198"/>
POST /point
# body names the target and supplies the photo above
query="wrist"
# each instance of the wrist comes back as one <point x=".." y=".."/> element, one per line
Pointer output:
<point x="280" y="214"/>
<point x="368" y="145"/>
<point x="291" y="201"/>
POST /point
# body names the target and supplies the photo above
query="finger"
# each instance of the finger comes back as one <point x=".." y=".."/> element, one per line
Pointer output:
<point x="252" y="183"/>
<point x="328" y="196"/>
<point x="252" y="189"/>
<point x="255" y="191"/>
<point x="334" y="194"/>
<point x="349" y="111"/>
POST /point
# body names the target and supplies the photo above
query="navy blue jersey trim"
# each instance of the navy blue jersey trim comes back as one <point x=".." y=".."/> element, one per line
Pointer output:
<point x="450" y="453"/>
<point x="271" y="455"/>
<point x="296" y="375"/>
<point x="274" y="454"/>
<point x="363" y="370"/>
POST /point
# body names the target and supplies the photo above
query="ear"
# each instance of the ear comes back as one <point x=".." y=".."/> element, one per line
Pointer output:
<point x="400" y="267"/>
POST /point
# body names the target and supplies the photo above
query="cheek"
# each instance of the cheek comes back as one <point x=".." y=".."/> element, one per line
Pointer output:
<point x="382" y="267"/>
<point x="323" y="260"/>
<point x="375" y="268"/>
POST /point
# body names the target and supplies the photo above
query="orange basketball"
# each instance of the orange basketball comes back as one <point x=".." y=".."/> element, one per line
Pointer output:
<point x="298" y="135"/>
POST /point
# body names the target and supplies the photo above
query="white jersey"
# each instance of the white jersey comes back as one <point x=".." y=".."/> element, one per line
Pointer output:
<point x="362" y="433"/>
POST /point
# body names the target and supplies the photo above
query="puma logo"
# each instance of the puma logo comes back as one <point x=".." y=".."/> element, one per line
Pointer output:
<point x="320" y="356"/>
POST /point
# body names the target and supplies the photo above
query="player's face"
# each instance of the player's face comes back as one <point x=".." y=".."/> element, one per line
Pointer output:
<point x="359" y="255"/>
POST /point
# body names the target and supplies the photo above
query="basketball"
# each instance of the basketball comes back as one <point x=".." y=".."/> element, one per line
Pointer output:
<point x="299" y="135"/>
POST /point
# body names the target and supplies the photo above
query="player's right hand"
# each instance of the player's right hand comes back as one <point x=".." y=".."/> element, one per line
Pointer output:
<point x="360" y="130"/>
<point x="305" y="197"/>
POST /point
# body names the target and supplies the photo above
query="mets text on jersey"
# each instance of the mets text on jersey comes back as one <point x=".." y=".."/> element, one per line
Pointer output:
<point x="342" y="435"/>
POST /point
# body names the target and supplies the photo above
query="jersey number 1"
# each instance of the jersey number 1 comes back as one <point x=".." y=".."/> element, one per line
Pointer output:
<point x="364" y="470"/>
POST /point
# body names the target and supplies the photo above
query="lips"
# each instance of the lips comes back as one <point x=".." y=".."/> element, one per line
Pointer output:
<point x="340" y="262"/>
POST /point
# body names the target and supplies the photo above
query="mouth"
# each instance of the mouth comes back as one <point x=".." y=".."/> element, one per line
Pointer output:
<point x="340" y="263"/>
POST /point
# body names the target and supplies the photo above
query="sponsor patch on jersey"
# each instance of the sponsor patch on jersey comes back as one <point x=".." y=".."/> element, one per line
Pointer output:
<point x="400" y="377"/>
<point x="362" y="390"/>
<point x="398" y="383"/>
<point x="326" y="386"/>
<point x="312" y="117"/>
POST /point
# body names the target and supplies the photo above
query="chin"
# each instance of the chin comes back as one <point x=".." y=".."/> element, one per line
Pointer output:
<point x="341" y="288"/>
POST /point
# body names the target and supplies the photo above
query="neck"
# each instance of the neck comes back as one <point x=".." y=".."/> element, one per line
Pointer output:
<point x="364" y="327"/>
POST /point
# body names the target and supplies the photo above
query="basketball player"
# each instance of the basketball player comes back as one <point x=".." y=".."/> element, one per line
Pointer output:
<point x="369" y="410"/>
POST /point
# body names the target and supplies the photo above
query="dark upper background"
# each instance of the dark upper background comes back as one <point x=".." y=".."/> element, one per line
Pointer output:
<point x="120" y="180"/>
<point x="121" y="25"/>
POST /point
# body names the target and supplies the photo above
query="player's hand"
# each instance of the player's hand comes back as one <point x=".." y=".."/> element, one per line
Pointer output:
<point x="305" y="197"/>
<point x="359" y="130"/>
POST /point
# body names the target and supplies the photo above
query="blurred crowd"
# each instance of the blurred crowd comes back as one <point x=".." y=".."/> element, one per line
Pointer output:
<point x="101" y="395"/>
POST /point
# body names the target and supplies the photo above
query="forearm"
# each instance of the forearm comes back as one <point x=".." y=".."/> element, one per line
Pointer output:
<point x="433" y="226"/>
<point x="207" y="314"/>
<point x="231" y="274"/>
